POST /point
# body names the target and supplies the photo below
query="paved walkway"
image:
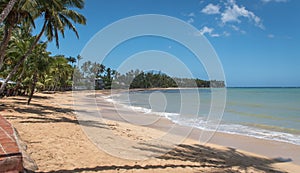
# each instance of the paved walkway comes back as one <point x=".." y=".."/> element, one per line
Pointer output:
<point x="10" y="155"/>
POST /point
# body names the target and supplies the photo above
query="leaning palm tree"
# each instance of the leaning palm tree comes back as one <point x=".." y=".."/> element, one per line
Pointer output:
<point x="7" y="10"/>
<point x="57" y="16"/>
<point x="18" y="46"/>
<point x="37" y="66"/>
<point x="21" y="13"/>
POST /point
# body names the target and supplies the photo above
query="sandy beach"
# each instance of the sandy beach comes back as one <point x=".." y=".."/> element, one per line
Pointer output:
<point x="58" y="141"/>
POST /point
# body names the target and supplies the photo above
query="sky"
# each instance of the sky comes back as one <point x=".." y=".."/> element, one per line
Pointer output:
<point x="257" y="41"/>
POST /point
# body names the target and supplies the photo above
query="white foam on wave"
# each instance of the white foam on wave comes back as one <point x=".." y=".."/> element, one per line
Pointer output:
<point x="242" y="130"/>
<point x="149" y="111"/>
<point x="109" y="99"/>
<point x="203" y="124"/>
<point x="167" y="115"/>
<point x="138" y="109"/>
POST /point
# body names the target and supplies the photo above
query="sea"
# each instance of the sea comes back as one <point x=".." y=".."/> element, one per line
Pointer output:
<point x="266" y="113"/>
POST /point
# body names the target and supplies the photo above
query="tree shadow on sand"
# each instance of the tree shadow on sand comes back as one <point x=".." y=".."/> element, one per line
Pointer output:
<point x="40" y="114"/>
<point x="36" y="97"/>
<point x="216" y="160"/>
<point x="88" y="123"/>
<point x="122" y="167"/>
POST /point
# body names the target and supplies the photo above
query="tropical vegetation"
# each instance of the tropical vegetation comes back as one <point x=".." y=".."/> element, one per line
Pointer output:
<point x="133" y="79"/>
<point x="23" y="57"/>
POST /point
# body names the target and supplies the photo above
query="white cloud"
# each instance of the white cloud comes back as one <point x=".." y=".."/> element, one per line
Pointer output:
<point x="266" y="1"/>
<point x="234" y="12"/>
<point x="209" y="31"/>
<point x="215" y="35"/>
<point x="205" y="30"/>
<point x="271" y="36"/>
<point x="243" y="32"/>
<point x="211" y="9"/>
<point x="230" y="13"/>
<point x="235" y="28"/>
<point x="190" y="21"/>
<point x="191" y="15"/>
<point x="226" y="34"/>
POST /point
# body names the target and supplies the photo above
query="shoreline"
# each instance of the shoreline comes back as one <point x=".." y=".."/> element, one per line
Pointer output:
<point x="275" y="149"/>
<point x="57" y="142"/>
<point x="224" y="131"/>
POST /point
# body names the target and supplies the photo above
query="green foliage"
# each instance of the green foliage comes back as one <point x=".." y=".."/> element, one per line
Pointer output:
<point x="152" y="80"/>
<point x="140" y="79"/>
<point x="135" y="78"/>
<point x="57" y="15"/>
<point x="39" y="71"/>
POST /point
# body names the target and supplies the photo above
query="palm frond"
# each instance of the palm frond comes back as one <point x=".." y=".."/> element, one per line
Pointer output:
<point x="74" y="3"/>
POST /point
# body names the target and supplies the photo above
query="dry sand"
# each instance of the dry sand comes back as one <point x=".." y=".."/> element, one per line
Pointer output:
<point x="58" y="143"/>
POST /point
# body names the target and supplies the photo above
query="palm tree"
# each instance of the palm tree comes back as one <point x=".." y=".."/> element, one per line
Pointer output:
<point x="7" y="9"/>
<point x="78" y="59"/>
<point x="61" y="72"/>
<point x="72" y="60"/>
<point x="18" y="46"/>
<point x="57" y="16"/>
<point x="37" y="66"/>
<point x="86" y="68"/>
<point x="21" y="13"/>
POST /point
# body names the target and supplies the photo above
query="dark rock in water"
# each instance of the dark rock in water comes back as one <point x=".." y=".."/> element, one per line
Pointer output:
<point x="280" y="159"/>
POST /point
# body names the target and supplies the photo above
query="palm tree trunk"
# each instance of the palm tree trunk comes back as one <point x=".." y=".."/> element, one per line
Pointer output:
<point x="4" y="43"/>
<point x="33" y="88"/>
<point x="19" y="82"/>
<point x="7" y="10"/>
<point x="24" y="57"/>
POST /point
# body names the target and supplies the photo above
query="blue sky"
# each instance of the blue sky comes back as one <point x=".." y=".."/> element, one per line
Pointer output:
<point x="257" y="41"/>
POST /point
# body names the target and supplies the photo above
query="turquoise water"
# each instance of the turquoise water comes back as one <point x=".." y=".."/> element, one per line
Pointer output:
<point x="269" y="113"/>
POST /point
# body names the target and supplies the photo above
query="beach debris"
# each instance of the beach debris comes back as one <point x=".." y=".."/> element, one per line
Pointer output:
<point x="281" y="159"/>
